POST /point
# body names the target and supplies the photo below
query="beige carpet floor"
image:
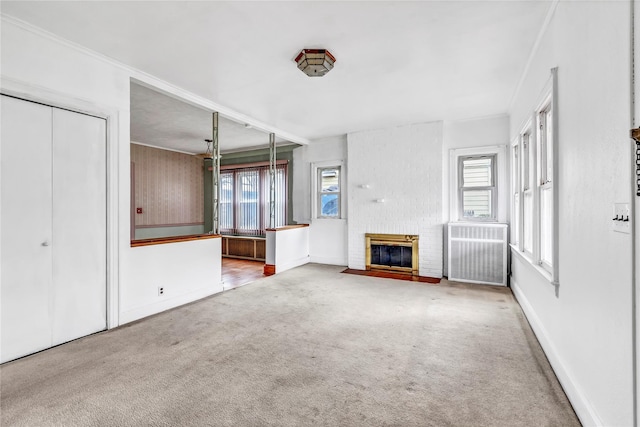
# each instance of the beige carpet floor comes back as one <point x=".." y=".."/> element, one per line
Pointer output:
<point x="307" y="347"/>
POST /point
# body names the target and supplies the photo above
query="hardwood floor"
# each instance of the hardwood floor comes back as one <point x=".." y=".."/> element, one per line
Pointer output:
<point x="392" y="275"/>
<point x="238" y="272"/>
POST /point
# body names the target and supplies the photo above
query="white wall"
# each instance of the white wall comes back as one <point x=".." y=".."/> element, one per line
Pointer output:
<point x="327" y="237"/>
<point x="187" y="271"/>
<point x="403" y="166"/>
<point x="586" y="330"/>
<point x="287" y="247"/>
<point x="479" y="132"/>
<point x="74" y="77"/>
<point x="471" y="134"/>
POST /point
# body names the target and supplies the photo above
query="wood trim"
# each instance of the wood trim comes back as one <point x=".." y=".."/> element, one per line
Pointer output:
<point x="252" y="165"/>
<point x="163" y="240"/>
<point x="257" y="244"/>
<point x="232" y="236"/>
<point x="269" y="269"/>
<point x="391" y="275"/>
<point x="288" y="227"/>
<point x="183" y="224"/>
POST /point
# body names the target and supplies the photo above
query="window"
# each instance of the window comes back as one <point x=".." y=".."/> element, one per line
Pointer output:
<point x="477" y="175"/>
<point x="534" y="217"/>
<point x="528" y="159"/>
<point x="515" y="193"/>
<point x="477" y="184"/>
<point x="328" y="202"/>
<point x="545" y="184"/>
<point x="245" y="198"/>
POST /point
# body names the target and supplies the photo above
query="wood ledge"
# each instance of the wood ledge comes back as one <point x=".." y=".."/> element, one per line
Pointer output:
<point x="288" y="227"/>
<point x="176" y="239"/>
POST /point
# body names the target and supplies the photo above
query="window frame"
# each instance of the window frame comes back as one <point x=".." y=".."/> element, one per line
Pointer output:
<point x="501" y="211"/>
<point x="262" y="185"/>
<point x="491" y="188"/>
<point x="543" y="147"/>
<point x="544" y="181"/>
<point x="320" y="192"/>
<point x="315" y="190"/>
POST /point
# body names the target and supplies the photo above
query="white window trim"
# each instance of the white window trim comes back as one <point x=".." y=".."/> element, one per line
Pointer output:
<point x="548" y="98"/>
<point x="515" y="184"/>
<point x="502" y="183"/>
<point x="492" y="188"/>
<point x="314" y="189"/>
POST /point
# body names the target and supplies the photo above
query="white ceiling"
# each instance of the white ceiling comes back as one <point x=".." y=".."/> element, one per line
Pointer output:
<point x="163" y="121"/>
<point x="397" y="62"/>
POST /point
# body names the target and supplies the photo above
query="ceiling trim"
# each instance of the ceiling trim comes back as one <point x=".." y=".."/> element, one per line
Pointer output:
<point x="163" y="148"/>
<point x="152" y="82"/>
<point x="534" y="50"/>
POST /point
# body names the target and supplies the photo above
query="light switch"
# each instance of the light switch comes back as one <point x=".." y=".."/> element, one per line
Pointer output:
<point x="621" y="219"/>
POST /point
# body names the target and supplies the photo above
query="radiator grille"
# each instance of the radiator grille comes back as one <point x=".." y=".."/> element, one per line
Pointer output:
<point x="478" y="253"/>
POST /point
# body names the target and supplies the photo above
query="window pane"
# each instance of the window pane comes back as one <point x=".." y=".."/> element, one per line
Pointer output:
<point x="515" y="191"/>
<point x="515" y="230"/>
<point x="328" y="196"/>
<point x="527" y="220"/>
<point x="476" y="203"/>
<point x="546" y="225"/>
<point x="477" y="172"/>
<point x="329" y="180"/>
<point x="226" y="201"/>
<point x="549" y="145"/>
<point x="248" y="202"/>
<point x="281" y="196"/>
<point x="330" y="205"/>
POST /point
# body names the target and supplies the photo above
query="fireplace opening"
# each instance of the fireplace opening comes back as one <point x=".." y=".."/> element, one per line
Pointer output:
<point x="392" y="256"/>
<point x="392" y="252"/>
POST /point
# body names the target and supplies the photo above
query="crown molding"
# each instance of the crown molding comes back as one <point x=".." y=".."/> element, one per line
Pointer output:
<point x="152" y="82"/>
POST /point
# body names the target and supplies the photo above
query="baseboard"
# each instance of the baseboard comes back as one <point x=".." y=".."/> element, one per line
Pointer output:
<point x="160" y="306"/>
<point x="291" y="264"/>
<point x="328" y="260"/>
<point x="581" y="405"/>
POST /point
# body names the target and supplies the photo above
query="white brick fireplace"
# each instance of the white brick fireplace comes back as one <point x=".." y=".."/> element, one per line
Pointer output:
<point x="395" y="187"/>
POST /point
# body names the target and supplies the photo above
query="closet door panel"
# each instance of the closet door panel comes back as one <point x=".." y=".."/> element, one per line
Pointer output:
<point x="79" y="225"/>
<point x="25" y="227"/>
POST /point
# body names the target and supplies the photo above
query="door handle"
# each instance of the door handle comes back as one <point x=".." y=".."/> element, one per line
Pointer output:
<point x="45" y="243"/>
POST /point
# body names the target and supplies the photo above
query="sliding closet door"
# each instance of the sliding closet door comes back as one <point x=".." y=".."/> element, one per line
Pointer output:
<point x="52" y="227"/>
<point x="25" y="227"/>
<point x="79" y="225"/>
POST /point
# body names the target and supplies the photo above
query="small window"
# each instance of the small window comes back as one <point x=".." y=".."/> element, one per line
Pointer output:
<point x="329" y="192"/>
<point x="478" y="187"/>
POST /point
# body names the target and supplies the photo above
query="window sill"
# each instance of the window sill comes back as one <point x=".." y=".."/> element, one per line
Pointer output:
<point x="527" y="260"/>
<point x="327" y="219"/>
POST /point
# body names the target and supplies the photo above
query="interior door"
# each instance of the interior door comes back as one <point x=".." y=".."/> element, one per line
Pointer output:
<point x="79" y="226"/>
<point x="25" y="227"/>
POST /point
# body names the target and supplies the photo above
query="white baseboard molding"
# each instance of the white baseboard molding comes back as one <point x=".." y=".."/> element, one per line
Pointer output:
<point x="583" y="408"/>
<point x="160" y="306"/>
<point x="280" y="267"/>
<point x="328" y="260"/>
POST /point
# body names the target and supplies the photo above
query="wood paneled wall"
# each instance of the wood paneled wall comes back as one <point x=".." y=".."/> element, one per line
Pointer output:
<point x="168" y="187"/>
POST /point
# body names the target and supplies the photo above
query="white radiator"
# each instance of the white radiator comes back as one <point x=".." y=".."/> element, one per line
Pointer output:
<point x="478" y="253"/>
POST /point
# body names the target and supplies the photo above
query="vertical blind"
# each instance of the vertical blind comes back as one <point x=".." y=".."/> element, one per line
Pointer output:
<point x="245" y="199"/>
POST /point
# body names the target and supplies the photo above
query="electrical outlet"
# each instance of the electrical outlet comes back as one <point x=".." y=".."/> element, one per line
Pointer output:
<point x="160" y="290"/>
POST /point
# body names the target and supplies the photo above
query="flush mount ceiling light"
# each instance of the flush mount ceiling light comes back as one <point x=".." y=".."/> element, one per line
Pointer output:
<point x="315" y="62"/>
